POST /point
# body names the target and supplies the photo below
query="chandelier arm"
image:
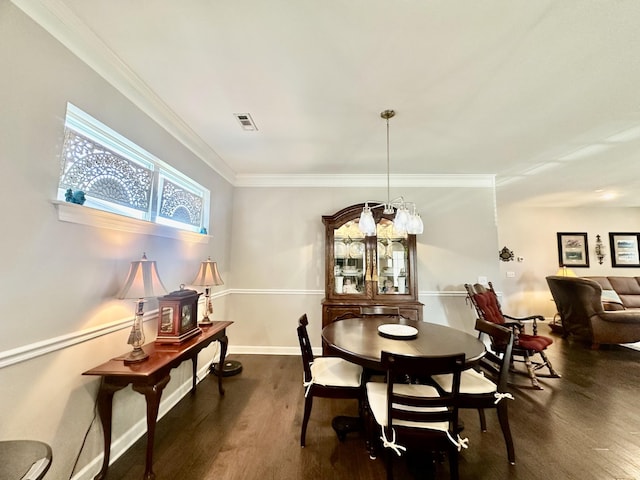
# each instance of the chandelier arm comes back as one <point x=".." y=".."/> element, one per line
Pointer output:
<point x="377" y="205"/>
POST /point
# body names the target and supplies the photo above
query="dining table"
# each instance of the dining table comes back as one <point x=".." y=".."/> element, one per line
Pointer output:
<point x="362" y="340"/>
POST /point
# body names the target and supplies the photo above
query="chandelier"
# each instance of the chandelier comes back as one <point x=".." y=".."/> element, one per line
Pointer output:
<point x="406" y="219"/>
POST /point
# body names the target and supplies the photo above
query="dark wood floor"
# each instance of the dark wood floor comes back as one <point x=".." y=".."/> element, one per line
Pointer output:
<point x="583" y="426"/>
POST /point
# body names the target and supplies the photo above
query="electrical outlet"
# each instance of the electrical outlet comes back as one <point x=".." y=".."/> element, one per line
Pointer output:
<point x="483" y="280"/>
<point x="511" y="274"/>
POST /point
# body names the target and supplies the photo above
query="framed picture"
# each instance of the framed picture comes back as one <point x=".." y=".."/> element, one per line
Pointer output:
<point x="624" y="249"/>
<point x="572" y="249"/>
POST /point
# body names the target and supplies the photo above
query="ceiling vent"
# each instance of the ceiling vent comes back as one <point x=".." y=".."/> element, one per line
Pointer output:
<point x="246" y="121"/>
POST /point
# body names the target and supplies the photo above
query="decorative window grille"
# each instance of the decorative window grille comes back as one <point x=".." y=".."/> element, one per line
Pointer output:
<point x="120" y="177"/>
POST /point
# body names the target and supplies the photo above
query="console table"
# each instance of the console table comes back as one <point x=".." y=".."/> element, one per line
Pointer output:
<point x="149" y="378"/>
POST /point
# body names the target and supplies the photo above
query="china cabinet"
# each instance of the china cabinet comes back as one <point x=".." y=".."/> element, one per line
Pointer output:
<point x="368" y="270"/>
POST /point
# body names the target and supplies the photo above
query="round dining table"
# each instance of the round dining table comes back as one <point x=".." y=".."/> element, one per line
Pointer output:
<point x="359" y="340"/>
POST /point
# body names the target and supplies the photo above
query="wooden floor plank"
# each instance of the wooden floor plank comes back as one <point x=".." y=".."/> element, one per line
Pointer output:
<point x="584" y="426"/>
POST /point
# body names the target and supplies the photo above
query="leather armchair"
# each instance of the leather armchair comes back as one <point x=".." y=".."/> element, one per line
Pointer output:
<point x="580" y="307"/>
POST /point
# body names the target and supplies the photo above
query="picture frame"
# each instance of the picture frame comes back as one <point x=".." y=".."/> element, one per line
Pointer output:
<point x="573" y="250"/>
<point x="624" y="249"/>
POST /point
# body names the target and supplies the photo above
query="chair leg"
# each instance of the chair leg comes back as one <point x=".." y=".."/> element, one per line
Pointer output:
<point x="370" y="429"/>
<point x="552" y="372"/>
<point x="483" y="420"/>
<point x="503" y="417"/>
<point x="308" y="403"/>
<point x="389" y="455"/>
<point x="453" y="464"/>
<point x="531" y="372"/>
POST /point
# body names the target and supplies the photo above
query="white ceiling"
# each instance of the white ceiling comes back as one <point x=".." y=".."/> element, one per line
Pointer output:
<point x="510" y="88"/>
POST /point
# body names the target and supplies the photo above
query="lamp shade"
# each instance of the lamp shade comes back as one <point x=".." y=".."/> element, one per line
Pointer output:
<point x="143" y="280"/>
<point x="565" y="272"/>
<point x="208" y="274"/>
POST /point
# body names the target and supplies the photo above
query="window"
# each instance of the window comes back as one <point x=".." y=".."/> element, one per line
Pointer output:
<point x="118" y="176"/>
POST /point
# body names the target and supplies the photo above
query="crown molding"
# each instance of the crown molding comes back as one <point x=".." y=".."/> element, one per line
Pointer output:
<point x="407" y="181"/>
<point x="66" y="27"/>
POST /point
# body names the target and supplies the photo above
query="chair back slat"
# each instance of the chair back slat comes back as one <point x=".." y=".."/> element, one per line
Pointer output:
<point x="499" y="335"/>
<point x="415" y="408"/>
<point x="305" y="347"/>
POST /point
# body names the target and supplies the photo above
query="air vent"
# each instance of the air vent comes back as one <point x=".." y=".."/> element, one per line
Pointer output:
<point x="246" y="122"/>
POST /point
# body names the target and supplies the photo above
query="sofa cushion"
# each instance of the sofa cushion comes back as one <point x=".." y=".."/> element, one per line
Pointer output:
<point x="628" y="289"/>
<point x="602" y="281"/>
<point x="610" y="296"/>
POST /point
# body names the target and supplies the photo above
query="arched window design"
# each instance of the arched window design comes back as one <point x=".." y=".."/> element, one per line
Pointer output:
<point x="118" y="176"/>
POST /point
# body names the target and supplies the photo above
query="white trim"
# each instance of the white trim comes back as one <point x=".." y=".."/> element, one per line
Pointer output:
<point x="66" y="27"/>
<point x="341" y="181"/>
<point x="85" y="125"/>
<point x="73" y="213"/>
<point x="258" y="350"/>
<point x="257" y="291"/>
<point x="266" y="291"/>
<point x="33" y="350"/>
<point x="120" y="445"/>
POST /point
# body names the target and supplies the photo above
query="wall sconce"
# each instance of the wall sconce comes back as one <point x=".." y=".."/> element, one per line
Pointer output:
<point x="600" y="250"/>
<point x="506" y="255"/>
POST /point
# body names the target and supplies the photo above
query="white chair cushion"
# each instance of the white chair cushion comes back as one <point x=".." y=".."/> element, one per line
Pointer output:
<point x="335" y="372"/>
<point x="471" y="382"/>
<point x="377" y="396"/>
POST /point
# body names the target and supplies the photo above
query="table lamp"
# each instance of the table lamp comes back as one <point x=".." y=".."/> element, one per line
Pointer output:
<point x="207" y="276"/>
<point x="565" y="271"/>
<point x="142" y="282"/>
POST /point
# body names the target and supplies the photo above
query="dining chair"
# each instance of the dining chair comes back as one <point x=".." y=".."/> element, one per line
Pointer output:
<point x="478" y="391"/>
<point x="525" y="346"/>
<point x="414" y="415"/>
<point x="328" y="377"/>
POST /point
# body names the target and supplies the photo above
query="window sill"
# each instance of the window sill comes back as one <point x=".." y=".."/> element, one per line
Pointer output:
<point x="73" y="213"/>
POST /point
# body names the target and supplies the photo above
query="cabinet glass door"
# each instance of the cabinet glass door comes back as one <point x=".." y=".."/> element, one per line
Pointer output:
<point x="391" y="259"/>
<point x="350" y="255"/>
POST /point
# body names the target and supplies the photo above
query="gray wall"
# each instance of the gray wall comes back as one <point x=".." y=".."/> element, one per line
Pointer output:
<point x="278" y="256"/>
<point x="59" y="279"/>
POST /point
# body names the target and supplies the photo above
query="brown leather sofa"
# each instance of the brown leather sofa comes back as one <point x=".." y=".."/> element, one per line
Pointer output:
<point x="579" y="302"/>
<point x="619" y="293"/>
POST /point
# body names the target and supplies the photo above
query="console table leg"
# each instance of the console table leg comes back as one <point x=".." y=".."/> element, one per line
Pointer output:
<point x="224" y="342"/>
<point x="152" y="394"/>
<point x="105" y="409"/>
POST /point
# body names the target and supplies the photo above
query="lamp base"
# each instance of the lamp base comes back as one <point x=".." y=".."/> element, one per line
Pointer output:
<point x="229" y="368"/>
<point x="136" y="355"/>
<point x="205" y="322"/>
